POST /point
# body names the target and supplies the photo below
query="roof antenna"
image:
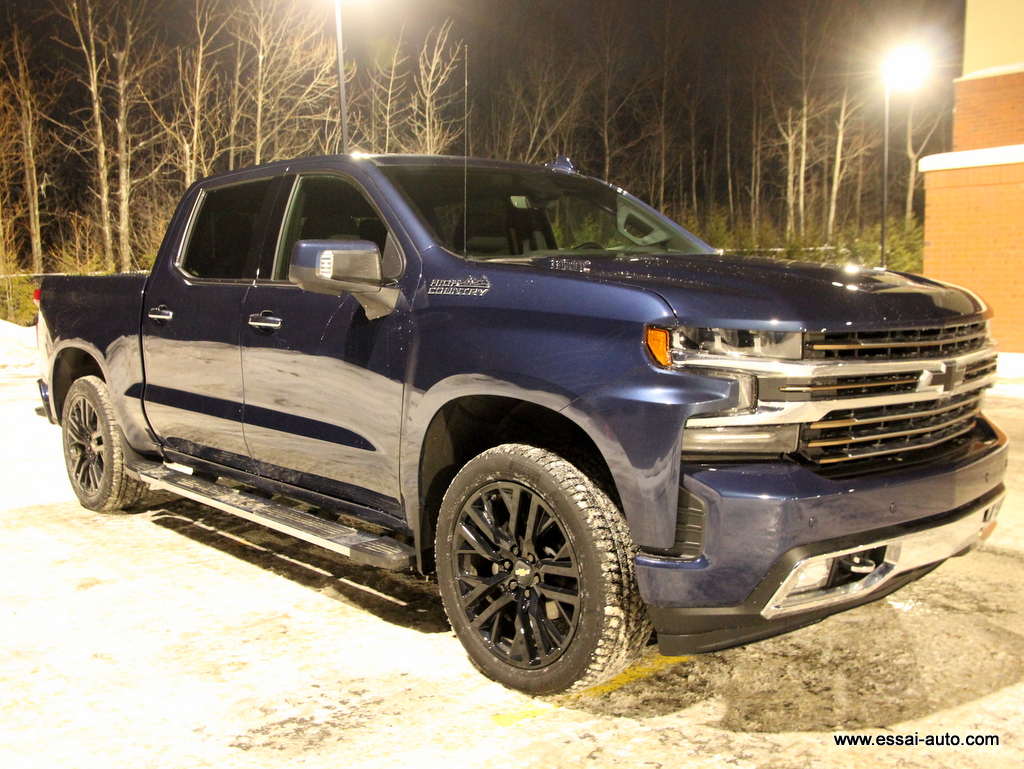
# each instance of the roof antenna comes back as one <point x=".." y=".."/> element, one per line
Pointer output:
<point x="465" y="153"/>
<point x="562" y="163"/>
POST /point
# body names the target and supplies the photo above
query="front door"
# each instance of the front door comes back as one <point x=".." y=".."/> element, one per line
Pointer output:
<point x="322" y="402"/>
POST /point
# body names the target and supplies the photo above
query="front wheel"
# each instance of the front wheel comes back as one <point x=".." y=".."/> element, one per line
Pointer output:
<point x="92" y="449"/>
<point x="535" y="567"/>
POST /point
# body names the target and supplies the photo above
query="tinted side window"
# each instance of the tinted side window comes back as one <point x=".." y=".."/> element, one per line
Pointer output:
<point x="328" y="208"/>
<point x="221" y="242"/>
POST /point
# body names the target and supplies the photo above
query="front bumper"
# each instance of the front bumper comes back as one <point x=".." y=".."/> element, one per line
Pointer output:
<point x="910" y="552"/>
<point x="769" y="526"/>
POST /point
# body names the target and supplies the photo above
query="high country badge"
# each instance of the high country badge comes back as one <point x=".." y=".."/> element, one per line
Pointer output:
<point x="464" y="287"/>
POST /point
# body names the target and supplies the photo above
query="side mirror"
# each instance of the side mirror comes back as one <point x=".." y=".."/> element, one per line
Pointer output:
<point x="337" y="267"/>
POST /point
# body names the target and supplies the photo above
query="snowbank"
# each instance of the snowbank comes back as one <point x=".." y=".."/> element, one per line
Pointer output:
<point x="17" y="347"/>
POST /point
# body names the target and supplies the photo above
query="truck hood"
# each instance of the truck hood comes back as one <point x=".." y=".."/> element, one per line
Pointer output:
<point x="754" y="292"/>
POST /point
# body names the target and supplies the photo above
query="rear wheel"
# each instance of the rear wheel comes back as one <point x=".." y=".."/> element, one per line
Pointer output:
<point x="535" y="566"/>
<point x="92" y="449"/>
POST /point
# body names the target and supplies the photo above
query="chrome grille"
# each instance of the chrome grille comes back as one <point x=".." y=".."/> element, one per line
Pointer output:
<point x="980" y="369"/>
<point x="833" y="387"/>
<point x="852" y="434"/>
<point x="901" y="344"/>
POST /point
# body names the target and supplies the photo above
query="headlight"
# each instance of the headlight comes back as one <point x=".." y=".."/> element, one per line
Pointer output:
<point x="712" y="349"/>
<point x="673" y="346"/>
<point x="787" y="345"/>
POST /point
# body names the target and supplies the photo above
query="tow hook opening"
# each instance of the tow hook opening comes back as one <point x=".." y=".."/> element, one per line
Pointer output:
<point x="854" y="567"/>
<point x="830" y="573"/>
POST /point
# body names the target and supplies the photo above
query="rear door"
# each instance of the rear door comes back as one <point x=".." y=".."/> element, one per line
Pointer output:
<point x="323" y="396"/>
<point x="191" y="321"/>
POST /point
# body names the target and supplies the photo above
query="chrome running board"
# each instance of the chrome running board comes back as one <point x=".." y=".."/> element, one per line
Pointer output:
<point x="372" y="549"/>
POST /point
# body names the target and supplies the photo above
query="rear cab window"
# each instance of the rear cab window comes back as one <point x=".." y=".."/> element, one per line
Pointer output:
<point x="223" y="239"/>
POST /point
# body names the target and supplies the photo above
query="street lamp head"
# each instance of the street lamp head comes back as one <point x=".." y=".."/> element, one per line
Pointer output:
<point x="906" y="68"/>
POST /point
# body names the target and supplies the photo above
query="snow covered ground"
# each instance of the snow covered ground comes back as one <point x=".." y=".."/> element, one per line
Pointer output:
<point x="181" y="637"/>
<point x="17" y="347"/>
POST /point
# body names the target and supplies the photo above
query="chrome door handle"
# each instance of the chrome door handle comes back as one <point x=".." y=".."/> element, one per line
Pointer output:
<point x="160" y="314"/>
<point x="264" y="321"/>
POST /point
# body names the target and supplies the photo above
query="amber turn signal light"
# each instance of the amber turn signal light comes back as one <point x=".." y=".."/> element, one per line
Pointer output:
<point x="658" y="342"/>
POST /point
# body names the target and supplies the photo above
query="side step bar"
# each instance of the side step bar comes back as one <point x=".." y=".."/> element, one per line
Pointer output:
<point x="363" y="547"/>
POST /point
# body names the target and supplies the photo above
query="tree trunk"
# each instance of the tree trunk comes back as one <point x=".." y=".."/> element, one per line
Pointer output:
<point x="29" y="128"/>
<point x="122" y="60"/>
<point x="81" y="17"/>
<point x="837" y="167"/>
<point x="802" y="179"/>
<point x="790" y="137"/>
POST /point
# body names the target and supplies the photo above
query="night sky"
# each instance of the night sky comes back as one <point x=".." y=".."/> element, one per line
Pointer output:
<point x="716" y="33"/>
<point x="733" y="62"/>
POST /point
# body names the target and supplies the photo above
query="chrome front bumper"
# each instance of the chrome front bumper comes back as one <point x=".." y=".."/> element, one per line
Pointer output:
<point x="831" y="578"/>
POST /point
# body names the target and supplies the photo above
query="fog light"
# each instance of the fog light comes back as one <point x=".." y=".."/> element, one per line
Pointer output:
<point x="812" y="576"/>
<point x="993" y="511"/>
<point x="755" y="439"/>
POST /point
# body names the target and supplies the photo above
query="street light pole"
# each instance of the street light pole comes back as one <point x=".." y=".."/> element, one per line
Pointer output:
<point x="904" y="70"/>
<point x="885" y="173"/>
<point x="343" y="147"/>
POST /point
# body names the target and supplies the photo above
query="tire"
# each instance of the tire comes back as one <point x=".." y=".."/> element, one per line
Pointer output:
<point x="92" y="449"/>
<point x="535" y="568"/>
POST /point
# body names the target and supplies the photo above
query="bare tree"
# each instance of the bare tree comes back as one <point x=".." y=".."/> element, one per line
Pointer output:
<point x="383" y="121"/>
<point x="197" y="126"/>
<point x="914" y="151"/>
<point x="614" y="96"/>
<point x="286" y="76"/>
<point x="840" y="164"/>
<point x="435" y="93"/>
<point x="93" y="139"/>
<point x="759" y="137"/>
<point x="136" y="61"/>
<point x="540" y="107"/>
<point x="30" y="98"/>
<point x="8" y="153"/>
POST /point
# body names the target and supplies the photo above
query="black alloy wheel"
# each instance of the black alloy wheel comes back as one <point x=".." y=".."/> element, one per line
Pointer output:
<point x="86" y="445"/>
<point x="517" y="574"/>
<point x="92" y="449"/>
<point x="535" y="569"/>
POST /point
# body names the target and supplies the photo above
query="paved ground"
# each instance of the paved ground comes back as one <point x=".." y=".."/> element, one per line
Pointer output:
<point x="183" y="638"/>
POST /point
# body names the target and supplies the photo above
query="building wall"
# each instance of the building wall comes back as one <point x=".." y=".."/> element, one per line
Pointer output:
<point x="989" y="111"/>
<point x="974" y="237"/>
<point x="974" y="196"/>
<point x="993" y="34"/>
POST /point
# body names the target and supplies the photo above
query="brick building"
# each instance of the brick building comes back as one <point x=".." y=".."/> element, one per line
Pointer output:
<point x="974" y="195"/>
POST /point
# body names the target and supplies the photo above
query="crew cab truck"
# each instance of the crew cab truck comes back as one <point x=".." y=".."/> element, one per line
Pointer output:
<point x="583" y="419"/>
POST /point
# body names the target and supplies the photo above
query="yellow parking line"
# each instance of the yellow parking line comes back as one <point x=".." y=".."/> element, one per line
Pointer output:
<point x="643" y="669"/>
<point x="508" y="719"/>
<point x="637" y="672"/>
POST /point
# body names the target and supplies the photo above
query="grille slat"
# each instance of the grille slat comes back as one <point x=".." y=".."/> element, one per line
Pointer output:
<point x="980" y="369"/>
<point x="884" y="436"/>
<point x="897" y="344"/>
<point x="838" y="386"/>
<point x="868" y="453"/>
<point x="860" y="385"/>
<point x="852" y="434"/>
<point x="976" y="399"/>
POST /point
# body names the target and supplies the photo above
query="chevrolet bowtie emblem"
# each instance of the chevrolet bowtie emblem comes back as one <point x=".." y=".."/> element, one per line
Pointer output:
<point x="953" y="375"/>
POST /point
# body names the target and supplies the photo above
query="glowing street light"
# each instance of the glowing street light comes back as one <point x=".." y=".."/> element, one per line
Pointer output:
<point x="905" y="69"/>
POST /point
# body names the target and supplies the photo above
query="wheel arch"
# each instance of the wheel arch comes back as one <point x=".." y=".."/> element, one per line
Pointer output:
<point x="70" y="363"/>
<point x="468" y="425"/>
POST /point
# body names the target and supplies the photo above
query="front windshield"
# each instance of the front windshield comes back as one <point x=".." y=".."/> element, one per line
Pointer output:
<point x="498" y="213"/>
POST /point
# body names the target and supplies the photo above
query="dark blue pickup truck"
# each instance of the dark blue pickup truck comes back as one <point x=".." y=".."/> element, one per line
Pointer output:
<point x="584" y="420"/>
